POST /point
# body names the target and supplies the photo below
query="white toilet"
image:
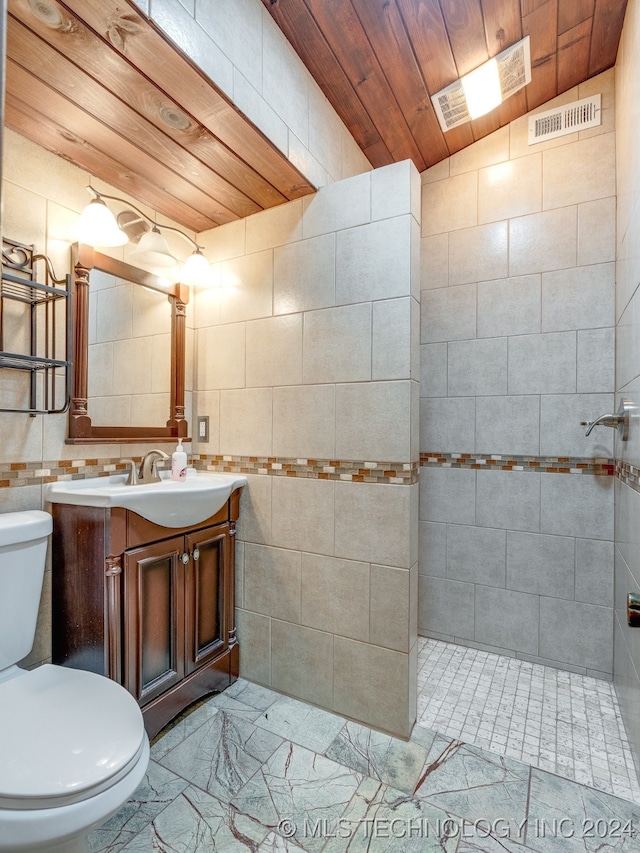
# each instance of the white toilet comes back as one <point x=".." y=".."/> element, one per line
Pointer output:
<point x="73" y="748"/>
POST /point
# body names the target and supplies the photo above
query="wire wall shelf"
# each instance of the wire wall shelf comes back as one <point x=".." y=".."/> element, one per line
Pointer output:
<point x="35" y="333"/>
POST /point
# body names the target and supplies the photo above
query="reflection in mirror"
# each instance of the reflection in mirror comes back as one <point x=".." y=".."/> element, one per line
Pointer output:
<point x="129" y="353"/>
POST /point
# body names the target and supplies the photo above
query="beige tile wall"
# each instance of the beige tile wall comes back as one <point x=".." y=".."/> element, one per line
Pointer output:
<point x="517" y="317"/>
<point x="320" y="361"/>
<point x="627" y="542"/>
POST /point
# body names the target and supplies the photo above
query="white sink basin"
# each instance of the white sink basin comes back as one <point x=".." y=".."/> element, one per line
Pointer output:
<point x="170" y="503"/>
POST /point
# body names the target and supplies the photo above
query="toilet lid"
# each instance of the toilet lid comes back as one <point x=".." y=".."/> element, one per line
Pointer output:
<point x="64" y="732"/>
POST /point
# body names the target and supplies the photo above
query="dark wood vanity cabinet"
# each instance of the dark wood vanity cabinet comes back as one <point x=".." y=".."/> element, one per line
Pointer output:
<point x="149" y="606"/>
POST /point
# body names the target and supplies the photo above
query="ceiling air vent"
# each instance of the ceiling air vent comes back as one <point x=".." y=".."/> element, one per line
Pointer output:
<point x="569" y="118"/>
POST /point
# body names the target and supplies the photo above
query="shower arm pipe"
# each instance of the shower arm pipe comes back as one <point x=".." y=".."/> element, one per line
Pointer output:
<point x="145" y="218"/>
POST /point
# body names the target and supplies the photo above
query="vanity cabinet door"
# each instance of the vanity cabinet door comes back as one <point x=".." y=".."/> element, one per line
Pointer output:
<point x="154" y="618"/>
<point x="206" y="582"/>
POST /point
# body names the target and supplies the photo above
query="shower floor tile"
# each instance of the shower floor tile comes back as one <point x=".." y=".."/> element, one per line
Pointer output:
<point x="559" y="721"/>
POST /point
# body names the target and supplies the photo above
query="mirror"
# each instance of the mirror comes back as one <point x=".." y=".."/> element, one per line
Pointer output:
<point x="129" y="331"/>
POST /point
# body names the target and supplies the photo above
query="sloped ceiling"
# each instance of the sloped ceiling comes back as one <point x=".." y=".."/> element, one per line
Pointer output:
<point x="380" y="61"/>
<point x="97" y="83"/>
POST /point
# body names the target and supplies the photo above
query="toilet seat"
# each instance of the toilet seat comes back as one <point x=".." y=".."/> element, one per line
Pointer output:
<point x="65" y="736"/>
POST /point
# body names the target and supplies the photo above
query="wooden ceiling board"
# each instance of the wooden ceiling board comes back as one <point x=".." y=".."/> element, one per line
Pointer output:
<point x="607" y="25"/>
<point x="29" y="120"/>
<point x="541" y="25"/>
<point x="48" y="103"/>
<point x="310" y="43"/>
<point x="388" y="37"/>
<point x="430" y="42"/>
<point x="148" y="50"/>
<point x="512" y="108"/>
<point x="572" y="14"/>
<point x="366" y="76"/>
<point x="465" y="28"/>
<point x="135" y="112"/>
<point x="81" y="89"/>
<point x="109" y="74"/>
<point x="447" y="38"/>
<point x="573" y="55"/>
<point x="529" y="6"/>
<point x="502" y="24"/>
<point x="93" y="56"/>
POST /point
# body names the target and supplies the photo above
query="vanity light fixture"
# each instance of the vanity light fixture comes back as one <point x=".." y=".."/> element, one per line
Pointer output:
<point x="153" y="250"/>
<point x="98" y="227"/>
<point x="484" y="88"/>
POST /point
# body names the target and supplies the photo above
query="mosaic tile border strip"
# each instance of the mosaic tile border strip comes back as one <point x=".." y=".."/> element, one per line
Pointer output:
<point x="542" y="464"/>
<point x="353" y="471"/>
<point x="628" y="474"/>
<point x="36" y="473"/>
<point x="17" y="474"/>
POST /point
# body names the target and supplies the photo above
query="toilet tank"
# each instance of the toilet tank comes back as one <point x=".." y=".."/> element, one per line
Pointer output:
<point x="23" y="550"/>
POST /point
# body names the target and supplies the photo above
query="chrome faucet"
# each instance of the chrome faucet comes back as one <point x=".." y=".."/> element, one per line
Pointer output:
<point x="148" y="471"/>
<point x="149" y="466"/>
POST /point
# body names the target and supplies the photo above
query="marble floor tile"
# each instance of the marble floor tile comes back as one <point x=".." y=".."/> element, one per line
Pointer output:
<point x="250" y="769"/>
<point x="252" y="694"/>
<point x="565" y="817"/>
<point x="181" y="728"/>
<point x="473" y="783"/>
<point x="158" y="790"/>
<point x="275" y="843"/>
<point x="392" y="761"/>
<point x="222" y="754"/>
<point x="227" y="703"/>
<point x="483" y="838"/>
<point x="196" y="822"/>
<point x="385" y="820"/>
<point x="301" y="723"/>
<point x="297" y="791"/>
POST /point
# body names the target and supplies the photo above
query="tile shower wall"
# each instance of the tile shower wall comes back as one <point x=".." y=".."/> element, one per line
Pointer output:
<point x="307" y="365"/>
<point x="517" y="347"/>
<point x="239" y="46"/>
<point x="627" y="538"/>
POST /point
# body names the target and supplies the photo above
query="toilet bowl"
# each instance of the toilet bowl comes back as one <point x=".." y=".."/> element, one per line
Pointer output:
<point x="73" y="748"/>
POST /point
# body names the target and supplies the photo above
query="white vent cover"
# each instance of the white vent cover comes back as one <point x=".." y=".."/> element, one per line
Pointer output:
<point x="514" y="70"/>
<point x="579" y="115"/>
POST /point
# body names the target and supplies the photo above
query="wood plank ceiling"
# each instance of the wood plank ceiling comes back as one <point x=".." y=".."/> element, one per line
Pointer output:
<point x="379" y="61"/>
<point x="97" y="83"/>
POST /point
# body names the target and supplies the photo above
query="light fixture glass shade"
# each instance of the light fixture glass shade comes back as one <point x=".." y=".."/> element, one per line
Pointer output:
<point x="196" y="271"/>
<point x="153" y="251"/>
<point x="97" y="226"/>
<point x="482" y="89"/>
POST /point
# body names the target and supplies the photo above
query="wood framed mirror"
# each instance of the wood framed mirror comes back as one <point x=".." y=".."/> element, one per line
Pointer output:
<point x="129" y="330"/>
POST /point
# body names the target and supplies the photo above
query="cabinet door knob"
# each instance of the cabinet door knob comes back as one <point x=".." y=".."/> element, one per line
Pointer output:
<point x="185" y="558"/>
<point x="196" y="553"/>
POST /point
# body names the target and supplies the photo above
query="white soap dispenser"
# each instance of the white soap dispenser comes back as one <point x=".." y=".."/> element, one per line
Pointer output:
<point x="179" y="463"/>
